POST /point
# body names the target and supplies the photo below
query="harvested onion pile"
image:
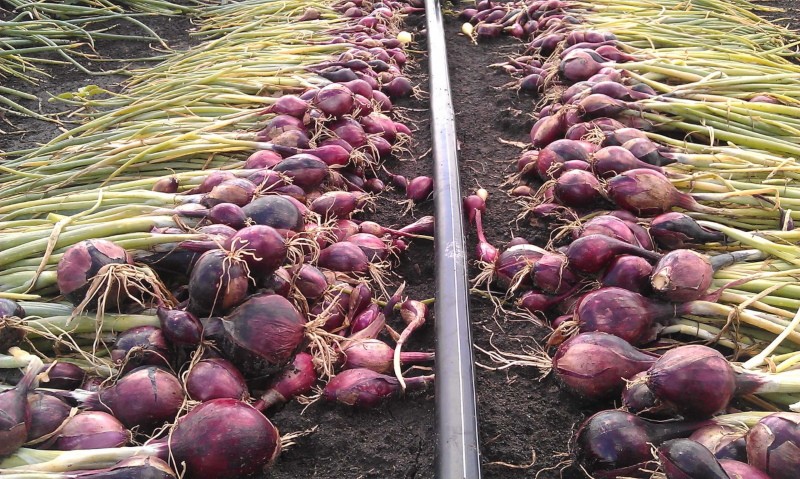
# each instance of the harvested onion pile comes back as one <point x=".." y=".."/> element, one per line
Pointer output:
<point x="662" y="162"/>
<point x="200" y="302"/>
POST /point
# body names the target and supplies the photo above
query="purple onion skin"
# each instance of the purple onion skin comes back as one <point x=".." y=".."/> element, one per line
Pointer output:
<point x="62" y="375"/>
<point x="725" y="442"/>
<point x="15" y="412"/>
<point x="180" y="328"/>
<point x="596" y="365"/>
<point x="215" y="378"/>
<point x="628" y="272"/>
<point x="687" y="459"/>
<point x="268" y="326"/>
<point x="10" y="336"/>
<point x="344" y="257"/>
<point x="309" y="281"/>
<point x="772" y="445"/>
<point x="419" y="188"/>
<point x="686" y="373"/>
<point x="592" y="253"/>
<point x="140" y="346"/>
<point x="224" y="439"/>
<point x="551" y="274"/>
<point x="365" y="318"/>
<point x="640" y="400"/>
<point x="91" y="430"/>
<point x="609" y="226"/>
<point x="47" y="414"/>
<point x="645" y="193"/>
<point x="741" y="470"/>
<point x="238" y="191"/>
<point x="676" y="230"/>
<point x="613" y="160"/>
<point x="306" y="171"/>
<point x="263" y="248"/>
<point x="218" y="282"/>
<point x="682" y="275"/>
<point x="623" y="313"/>
<point x="276" y="211"/>
<point x="81" y="262"/>
<point x="295" y="379"/>
<point x="363" y="388"/>
<point x="145" y="397"/>
<point x="578" y="189"/>
<point x="615" y="443"/>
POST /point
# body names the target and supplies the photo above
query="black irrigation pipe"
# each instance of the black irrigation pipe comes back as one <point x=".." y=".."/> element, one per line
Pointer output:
<point x="457" y="452"/>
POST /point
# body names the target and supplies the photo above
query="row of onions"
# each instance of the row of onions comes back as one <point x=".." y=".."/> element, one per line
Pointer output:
<point x="177" y="312"/>
<point x="662" y="162"/>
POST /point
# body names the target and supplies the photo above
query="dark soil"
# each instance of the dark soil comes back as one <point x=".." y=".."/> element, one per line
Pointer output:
<point x="521" y="416"/>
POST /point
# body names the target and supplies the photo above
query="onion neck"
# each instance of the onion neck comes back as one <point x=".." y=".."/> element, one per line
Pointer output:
<point x="756" y="382"/>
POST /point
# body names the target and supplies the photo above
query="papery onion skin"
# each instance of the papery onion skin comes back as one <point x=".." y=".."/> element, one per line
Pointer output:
<point x="224" y="439"/>
<point x="267" y="325"/>
<point x="693" y="371"/>
<point x="687" y="459"/>
<point x="596" y="365"/>
<point x="772" y="445"/>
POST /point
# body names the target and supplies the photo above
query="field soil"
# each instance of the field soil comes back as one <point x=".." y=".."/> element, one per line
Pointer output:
<point x="526" y="421"/>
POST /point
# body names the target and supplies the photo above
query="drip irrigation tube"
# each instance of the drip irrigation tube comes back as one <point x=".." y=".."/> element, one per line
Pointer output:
<point x="457" y="452"/>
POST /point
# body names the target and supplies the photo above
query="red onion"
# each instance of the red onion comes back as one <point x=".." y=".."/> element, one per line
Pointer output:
<point x="145" y="397"/>
<point x="596" y="365"/>
<point x="613" y="160"/>
<point x="628" y="272"/>
<point x="339" y="204"/>
<point x="578" y="189"/>
<point x="334" y="99"/>
<point x="306" y="171"/>
<point x="364" y="388"/>
<point x="261" y="247"/>
<point x="81" y="262"/>
<point x="687" y="459"/>
<point x="592" y="253"/>
<point x="277" y="211"/>
<point x="238" y="191"/>
<point x="140" y="346"/>
<point x="228" y="214"/>
<point x="551" y="274"/>
<point x="267" y="325"/>
<point x="344" y="257"/>
<point x="693" y="371"/>
<point x="181" y="328"/>
<point x="726" y="442"/>
<point x="90" y="430"/>
<point x="622" y="313"/>
<point x="649" y="193"/>
<point x="15" y="413"/>
<point x="309" y="281"/>
<point x="377" y="356"/>
<point x="218" y="282"/>
<point x="61" y="375"/>
<point x="48" y="413"/>
<point x="682" y="275"/>
<point x="675" y="230"/>
<point x="215" y="378"/>
<point x="224" y="439"/>
<point x="614" y="443"/>
<point x="610" y="226"/>
<point x="772" y="445"/>
<point x="295" y="379"/>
